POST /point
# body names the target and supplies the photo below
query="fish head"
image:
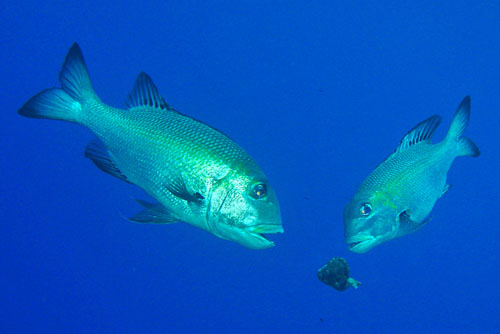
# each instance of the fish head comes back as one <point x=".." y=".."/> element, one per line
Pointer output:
<point x="369" y="220"/>
<point x="243" y="208"/>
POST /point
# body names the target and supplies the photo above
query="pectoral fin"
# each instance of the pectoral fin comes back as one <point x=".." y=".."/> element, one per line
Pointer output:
<point x="153" y="213"/>
<point x="178" y="188"/>
<point x="445" y="189"/>
<point x="407" y="225"/>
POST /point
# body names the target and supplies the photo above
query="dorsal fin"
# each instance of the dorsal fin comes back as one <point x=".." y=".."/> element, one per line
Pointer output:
<point x="422" y="132"/>
<point x="145" y="94"/>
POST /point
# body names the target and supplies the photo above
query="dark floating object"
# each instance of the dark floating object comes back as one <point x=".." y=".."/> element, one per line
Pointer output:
<point x="336" y="274"/>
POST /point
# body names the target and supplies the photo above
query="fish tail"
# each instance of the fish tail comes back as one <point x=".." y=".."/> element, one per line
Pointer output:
<point x="466" y="146"/>
<point x="63" y="103"/>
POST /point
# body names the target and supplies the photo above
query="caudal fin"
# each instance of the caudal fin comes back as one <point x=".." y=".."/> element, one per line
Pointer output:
<point x="63" y="103"/>
<point x="466" y="147"/>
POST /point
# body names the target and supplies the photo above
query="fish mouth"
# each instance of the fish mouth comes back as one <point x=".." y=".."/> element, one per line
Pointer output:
<point x="260" y="232"/>
<point x="267" y="229"/>
<point x="263" y="237"/>
<point x="358" y="243"/>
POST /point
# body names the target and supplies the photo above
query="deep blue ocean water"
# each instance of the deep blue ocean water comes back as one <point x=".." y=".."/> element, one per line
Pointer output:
<point x="318" y="93"/>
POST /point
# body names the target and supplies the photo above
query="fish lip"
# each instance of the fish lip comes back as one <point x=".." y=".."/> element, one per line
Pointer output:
<point x="265" y="229"/>
<point x="260" y="231"/>
<point x="355" y="241"/>
<point x="263" y="241"/>
<point x="263" y="237"/>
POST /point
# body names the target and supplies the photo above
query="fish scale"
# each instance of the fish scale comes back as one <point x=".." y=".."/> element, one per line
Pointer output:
<point x="401" y="177"/>
<point x="196" y="173"/>
<point x="193" y="149"/>
<point x="398" y="196"/>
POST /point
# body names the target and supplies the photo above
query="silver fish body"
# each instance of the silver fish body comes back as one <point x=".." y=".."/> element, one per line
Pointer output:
<point x="196" y="173"/>
<point x="398" y="196"/>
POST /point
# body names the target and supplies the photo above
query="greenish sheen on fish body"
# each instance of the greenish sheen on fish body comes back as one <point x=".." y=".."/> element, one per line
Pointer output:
<point x="196" y="173"/>
<point x="398" y="196"/>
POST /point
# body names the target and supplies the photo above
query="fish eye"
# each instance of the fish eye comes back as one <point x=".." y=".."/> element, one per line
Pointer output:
<point x="365" y="209"/>
<point x="259" y="191"/>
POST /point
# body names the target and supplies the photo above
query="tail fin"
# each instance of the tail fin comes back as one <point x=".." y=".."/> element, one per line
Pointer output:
<point x="466" y="147"/>
<point x="66" y="103"/>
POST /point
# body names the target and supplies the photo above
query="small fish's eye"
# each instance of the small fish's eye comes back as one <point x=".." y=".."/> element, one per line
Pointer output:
<point x="365" y="209"/>
<point x="259" y="191"/>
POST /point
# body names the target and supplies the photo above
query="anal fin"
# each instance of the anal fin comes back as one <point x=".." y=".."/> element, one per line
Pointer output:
<point x="101" y="157"/>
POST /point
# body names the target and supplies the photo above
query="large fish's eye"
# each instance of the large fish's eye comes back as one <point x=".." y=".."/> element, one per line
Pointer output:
<point x="259" y="191"/>
<point x="365" y="209"/>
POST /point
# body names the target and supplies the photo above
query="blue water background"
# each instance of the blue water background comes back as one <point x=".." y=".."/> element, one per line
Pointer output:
<point x="318" y="93"/>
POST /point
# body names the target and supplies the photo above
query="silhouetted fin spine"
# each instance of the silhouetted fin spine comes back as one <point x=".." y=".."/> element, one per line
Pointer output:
<point x="422" y="132"/>
<point x="145" y="94"/>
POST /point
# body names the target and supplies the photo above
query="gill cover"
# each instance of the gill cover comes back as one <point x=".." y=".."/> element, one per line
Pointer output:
<point x="242" y="208"/>
<point x="369" y="221"/>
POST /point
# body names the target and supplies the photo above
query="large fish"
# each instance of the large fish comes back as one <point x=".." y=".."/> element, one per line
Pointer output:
<point x="196" y="173"/>
<point x="397" y="197"/>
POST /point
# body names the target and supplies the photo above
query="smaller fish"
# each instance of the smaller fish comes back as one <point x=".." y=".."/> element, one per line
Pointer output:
<point x="397" y="197"/>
